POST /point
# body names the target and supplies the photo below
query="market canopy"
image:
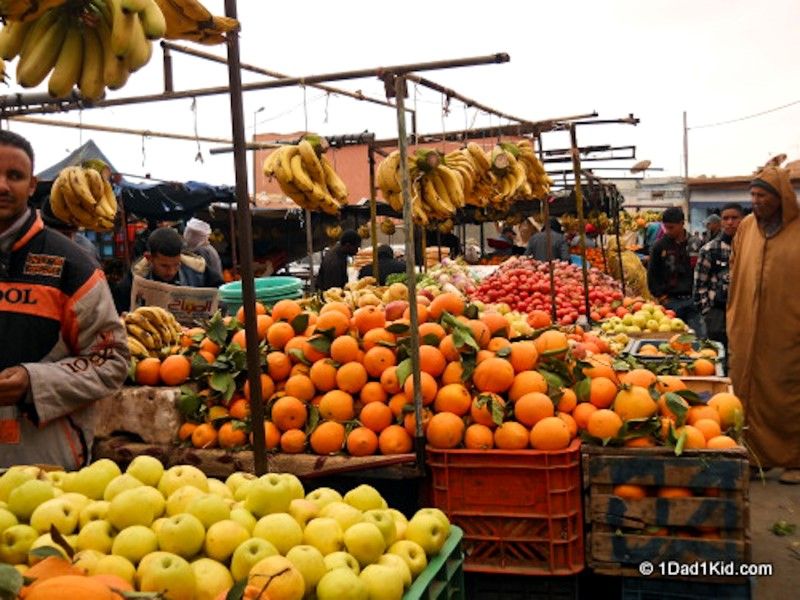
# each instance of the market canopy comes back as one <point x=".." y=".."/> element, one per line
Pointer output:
<point x="163" y="200"/>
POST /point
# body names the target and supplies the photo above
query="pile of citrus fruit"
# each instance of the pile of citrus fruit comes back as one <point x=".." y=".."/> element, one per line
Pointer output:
<point x="340" y="381"/>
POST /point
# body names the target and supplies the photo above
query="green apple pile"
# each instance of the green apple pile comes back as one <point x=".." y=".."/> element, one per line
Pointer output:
<point x="187" y="536"/>
<point x="649" y="318"/>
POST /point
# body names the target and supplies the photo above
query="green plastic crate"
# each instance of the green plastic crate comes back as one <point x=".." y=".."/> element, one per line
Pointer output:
<point x="443" y="578"/>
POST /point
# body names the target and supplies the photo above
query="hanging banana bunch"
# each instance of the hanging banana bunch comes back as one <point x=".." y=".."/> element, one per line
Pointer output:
<point x="190" y="20"/>
<point x="306" y="176"/>
<point x="537" y="177"/>
<point x="83" y="197"/>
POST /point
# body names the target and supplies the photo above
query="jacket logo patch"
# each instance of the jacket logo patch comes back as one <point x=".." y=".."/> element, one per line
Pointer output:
<point x="44" y="265"/>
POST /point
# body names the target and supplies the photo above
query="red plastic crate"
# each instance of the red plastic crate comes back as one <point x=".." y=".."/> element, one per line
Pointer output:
<point x="520" y="510"/>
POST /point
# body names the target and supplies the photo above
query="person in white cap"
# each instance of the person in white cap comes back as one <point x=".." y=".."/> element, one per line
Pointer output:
<point x="196" y="237"/>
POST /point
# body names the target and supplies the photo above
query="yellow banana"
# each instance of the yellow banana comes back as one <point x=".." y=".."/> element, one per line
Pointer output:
<point x="115" y="70"/>
<point x="478" y="156"/>
<point x="153" y="22"/>
<point x="137" y="319"/>
<point x="108" y="203"/>
<point x="136" y="348"/>
<point x="133" y="6"/>
<point x="57" y="203"/>
<point x="454" y="186"/>
<point x="91" y="82"/>
<point x="95" y="183"/>
<point x="299" y="175"/>
<point x="286" y="154"/>
<point x="67" y="69"/>
<point x="141" y="49"/>
<point x="441" y="191"/>
<point x="311" y="162"/>
<point x="272" y="160"/>
<point x="39" y="55"/>
<point x="143" y="336"/>
<point x="122" y="29"/>
<point x="80" y="185"/>
<point x="70" y="199"/>
<point x="12" y="37"/>
<point x="335" y="184"/>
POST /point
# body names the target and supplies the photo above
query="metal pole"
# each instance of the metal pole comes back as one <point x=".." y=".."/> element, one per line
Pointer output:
<point x="167" y="62"/>
<point x="411" y="274"/>
<point x="245" y="244"/>
<point x="619" y="246"/>
<point x="312" y="281"/>
<point x="576" y="167"/>
<point x="373" y="212"/>
<point x="232" y="227"/>
<point x="548" y="241"/>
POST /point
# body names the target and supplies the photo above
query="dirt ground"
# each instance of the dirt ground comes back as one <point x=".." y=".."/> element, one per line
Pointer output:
<point x="771" y="501"/>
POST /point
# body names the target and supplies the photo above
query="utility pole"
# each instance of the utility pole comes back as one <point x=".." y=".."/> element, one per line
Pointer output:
<point x="686" y="169"/>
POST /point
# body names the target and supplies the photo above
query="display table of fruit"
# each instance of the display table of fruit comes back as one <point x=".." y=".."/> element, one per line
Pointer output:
<point x="99" y="532"/>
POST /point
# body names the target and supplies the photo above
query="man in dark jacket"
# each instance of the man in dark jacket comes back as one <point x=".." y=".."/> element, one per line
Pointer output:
<point x="166" y="262"/>
<point x="537" y="245"/>
<point x="669" y="272"/>
<point x="333" y="269"/>
<point x="387" y="264"/>
<point x="64" y="347"/>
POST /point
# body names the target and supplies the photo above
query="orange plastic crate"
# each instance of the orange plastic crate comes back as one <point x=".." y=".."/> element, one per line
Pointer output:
<point x="520" y="510"/>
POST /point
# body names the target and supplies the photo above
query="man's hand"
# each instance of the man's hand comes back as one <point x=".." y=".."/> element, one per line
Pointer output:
<point x="14" y="383"/>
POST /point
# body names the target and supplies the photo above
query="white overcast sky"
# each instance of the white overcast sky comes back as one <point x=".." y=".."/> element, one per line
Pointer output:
<point x="716" y="59"/>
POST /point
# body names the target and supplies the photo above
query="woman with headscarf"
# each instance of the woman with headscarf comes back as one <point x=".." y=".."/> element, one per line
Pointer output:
<point x="196" y="237"/>
<point x="763" y="320"/>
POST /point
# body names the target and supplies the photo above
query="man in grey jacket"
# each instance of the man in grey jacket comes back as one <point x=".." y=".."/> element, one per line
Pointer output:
<point x="537" y="244"/>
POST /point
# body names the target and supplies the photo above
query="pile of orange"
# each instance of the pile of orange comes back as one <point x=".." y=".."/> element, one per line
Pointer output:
<point x="335" y="381"/>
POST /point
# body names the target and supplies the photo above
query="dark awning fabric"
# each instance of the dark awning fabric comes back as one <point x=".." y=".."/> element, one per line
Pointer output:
<point x="86" y="152"/>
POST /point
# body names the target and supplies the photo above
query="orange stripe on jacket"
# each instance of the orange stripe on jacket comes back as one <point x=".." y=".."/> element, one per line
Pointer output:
<point x="38" y="225"/>
<point x="70" y="325"/>
<point x="32" y="299"/>
<point x="70" y="435"/>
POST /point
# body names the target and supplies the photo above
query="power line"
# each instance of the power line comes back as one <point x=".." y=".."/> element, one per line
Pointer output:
<point x="758" y="114"/>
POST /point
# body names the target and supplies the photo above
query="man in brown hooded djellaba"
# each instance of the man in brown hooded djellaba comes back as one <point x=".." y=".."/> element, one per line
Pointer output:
<point x="763" y="320"/>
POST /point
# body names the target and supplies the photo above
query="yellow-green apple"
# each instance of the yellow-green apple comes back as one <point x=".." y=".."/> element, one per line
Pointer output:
<point x="179" y="500"/>
<point x="336" y="560"/>
<point x="439" y="515"/>
<point x="323" y="496"/>
<point x="134" y="543"/>
<point x="56" y="512"/>
<point x="46" y="541"/>
<point x="146" y="469"/>
<point x="130" y="507"/>
<point x="427" y="530"/>
<point x="96" y="535"/>
<point x="119" y="484"/>
<point x="382" y="582"/>
<point x="278" y="578"/>
<point x="92" y="481"/>
<point x="96" y="510"/>
<point x="400" y="522"/>
<point x="222" y="538"/>
<point x="345" y="514"/>
<point x="240" y="495"/>
<point x="156" y="525"/>
<point x="365" y="497"/>
<point x="23" y="500"/>
<point x="280" y="529"/>
<point x="115" y="565"/>
<point x="249" y="553"/>
<point x="216" y="487"/>
<point x="324" y="534"/>
<point x="211" y="578"/>
<point x="7" y="519"/>
<point x="181" y="534"/>
<point x="413" y="555"/>
<point x="168" y="574"/>
<point x="294" y="484"/>
<point x="14" y="477"/>
<point x="236" y="479"/>
<point x="209" y="508"/>
<point x="395" y="562"/>
<point x="303" y="510"/>
<point x="244" y="517"/>
<point x="341" y="584"/>
<point x="384" y="521"/>
<point x="365" y="542"/>
<point x="78" y="500"/>
<point x="179" y="476"/>
<point x="310" y="562"/>
<point x="270" y="494"/>
<point x="87" y="559"/>
<point x="57" y="478"/>
<point x="15" y="543"/>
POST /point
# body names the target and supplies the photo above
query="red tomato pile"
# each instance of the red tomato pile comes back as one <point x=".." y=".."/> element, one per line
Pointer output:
<point x="524" y="284"/>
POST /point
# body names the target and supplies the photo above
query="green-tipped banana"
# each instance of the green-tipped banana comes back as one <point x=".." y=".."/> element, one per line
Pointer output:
<point x="122" y="27"/>
<point x="141" y="49"/>
<point x="67" y="70"/>
<point x="38" y="58"/>
<point x="12" y="37"/>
